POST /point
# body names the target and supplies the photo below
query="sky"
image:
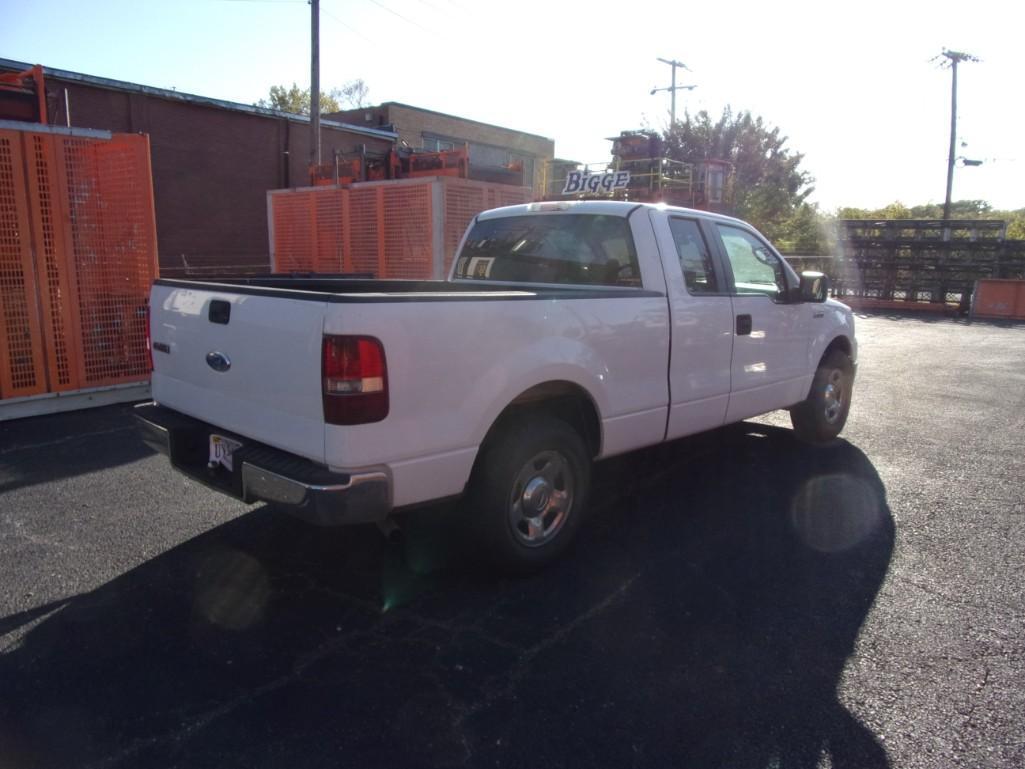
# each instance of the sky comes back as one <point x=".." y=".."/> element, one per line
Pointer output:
<point x="855" y="86"/>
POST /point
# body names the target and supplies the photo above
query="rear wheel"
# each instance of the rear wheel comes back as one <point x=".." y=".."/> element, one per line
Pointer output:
<point x="528" y="493"/>
<point x="822" y="415"/>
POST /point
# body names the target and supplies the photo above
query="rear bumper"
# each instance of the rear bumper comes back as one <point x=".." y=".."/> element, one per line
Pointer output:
<point x="261" y="473"/>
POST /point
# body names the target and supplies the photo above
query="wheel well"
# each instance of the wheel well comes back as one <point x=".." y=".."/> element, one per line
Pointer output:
<point x="562" y="400"/>
<point x="841" y="343"/>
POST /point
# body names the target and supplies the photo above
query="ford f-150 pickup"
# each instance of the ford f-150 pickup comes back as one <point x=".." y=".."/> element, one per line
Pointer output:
<point x="566" y="333"/>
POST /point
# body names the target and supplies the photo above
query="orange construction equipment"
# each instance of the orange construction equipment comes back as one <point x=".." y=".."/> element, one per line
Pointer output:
<point x="418" y="164"/>
<point x="23" y="96"/>
<point x="77" y="257"/>
<point x="401" y="164"/>
<point x="340" y="172"/>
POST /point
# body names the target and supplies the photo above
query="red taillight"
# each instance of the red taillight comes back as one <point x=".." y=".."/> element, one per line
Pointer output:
<point x="355" y="380"/>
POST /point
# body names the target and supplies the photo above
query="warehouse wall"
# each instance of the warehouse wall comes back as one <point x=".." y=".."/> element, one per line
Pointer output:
<point x="212" y="168"/>
<point x="415" y="126"/>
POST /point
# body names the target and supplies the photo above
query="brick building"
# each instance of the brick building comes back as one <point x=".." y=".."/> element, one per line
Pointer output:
<point x="491" y="147"/>
<point x="213" y="162"/>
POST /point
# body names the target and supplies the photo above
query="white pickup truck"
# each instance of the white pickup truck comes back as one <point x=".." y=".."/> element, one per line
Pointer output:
<point x="566" y="333"/>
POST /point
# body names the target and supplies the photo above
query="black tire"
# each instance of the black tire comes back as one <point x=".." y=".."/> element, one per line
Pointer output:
<point x="822" y="415"/>
<point x="538" y="464"/>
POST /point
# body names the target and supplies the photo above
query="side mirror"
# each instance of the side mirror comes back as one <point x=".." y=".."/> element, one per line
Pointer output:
<point x="814" y="287"/>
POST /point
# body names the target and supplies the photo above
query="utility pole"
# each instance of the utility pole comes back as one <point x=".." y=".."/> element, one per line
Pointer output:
<point x="673" y="88"/>
<point x="954" y="57"/>
<point x="315" y="82"/>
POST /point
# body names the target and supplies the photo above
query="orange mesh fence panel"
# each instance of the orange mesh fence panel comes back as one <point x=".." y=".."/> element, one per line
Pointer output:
<point x="509" y="196"/>
<point x="363" y="230"/>
<point x="293" y="235"/>
<point x="58" y="294"/>
<point x="329" y="235"/>
<point x="21" y="351"/>
<point x="407" y="231"/>
<point x="463" y="201"/>
<point x="77" y="257"/>
<point x="386" y="229"/>
<point x="113" y="244"/>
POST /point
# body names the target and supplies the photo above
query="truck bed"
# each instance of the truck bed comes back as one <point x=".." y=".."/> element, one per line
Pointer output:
<point x="323" y="288"/>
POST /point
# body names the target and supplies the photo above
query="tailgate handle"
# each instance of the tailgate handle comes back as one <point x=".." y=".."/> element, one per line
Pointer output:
<point x="220" y="312"/>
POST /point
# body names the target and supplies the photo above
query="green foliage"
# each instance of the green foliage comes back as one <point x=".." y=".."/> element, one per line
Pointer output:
<point x="1016" y="224"/>
<point x="959" y="209"/>
<point x="806" y="232"/>
<point x="297" y="100"/>
<point x="769" y="188"/>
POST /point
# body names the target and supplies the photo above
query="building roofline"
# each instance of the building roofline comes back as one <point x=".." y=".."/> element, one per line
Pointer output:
<point x="189" y="98"/>
<point x="457" y="117"/>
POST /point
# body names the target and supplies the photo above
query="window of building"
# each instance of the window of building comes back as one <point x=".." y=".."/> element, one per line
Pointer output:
<point x="434" y="144"/>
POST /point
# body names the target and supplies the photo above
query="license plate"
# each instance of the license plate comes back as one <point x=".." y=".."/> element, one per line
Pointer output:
<point x="221" y="449"/>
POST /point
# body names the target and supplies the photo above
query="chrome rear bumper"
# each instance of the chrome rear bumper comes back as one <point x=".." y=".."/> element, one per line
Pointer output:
<point x="261" y="473"/>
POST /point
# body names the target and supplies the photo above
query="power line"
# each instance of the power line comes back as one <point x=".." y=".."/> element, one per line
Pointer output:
<point x="432" y="6"/>
<point x="349" y="27"/>
<point x="404" y="18"/>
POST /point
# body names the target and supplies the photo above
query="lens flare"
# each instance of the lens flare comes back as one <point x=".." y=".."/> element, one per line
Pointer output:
<point x="831" y="513"/>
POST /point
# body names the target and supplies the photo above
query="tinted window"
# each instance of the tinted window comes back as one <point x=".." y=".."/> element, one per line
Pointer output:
<point x="585" y="249"/>
<point x="756" y="270"/>
<point x="695" y="259"/>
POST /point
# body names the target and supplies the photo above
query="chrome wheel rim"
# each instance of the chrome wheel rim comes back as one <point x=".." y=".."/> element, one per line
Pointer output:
<point x="833" y="396"/>
<point x="541" y="498"/>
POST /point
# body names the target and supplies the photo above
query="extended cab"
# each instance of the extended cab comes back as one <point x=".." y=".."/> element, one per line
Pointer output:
<point x="566" y="333"/>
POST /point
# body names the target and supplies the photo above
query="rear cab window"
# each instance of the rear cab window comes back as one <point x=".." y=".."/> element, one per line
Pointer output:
<point x="574" y="249"/>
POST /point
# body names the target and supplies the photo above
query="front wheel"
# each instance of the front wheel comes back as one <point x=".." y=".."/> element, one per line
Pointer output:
<point x="822" y="415"/>
<point x="528" y="493"/>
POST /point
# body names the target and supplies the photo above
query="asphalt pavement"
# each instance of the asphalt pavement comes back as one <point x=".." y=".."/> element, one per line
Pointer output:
<point x="736" y="599"/>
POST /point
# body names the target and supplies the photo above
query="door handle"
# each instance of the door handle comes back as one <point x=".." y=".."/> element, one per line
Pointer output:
<point x="743" y="325"/>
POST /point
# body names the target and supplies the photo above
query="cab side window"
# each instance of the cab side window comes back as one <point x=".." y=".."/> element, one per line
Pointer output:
<point x="756" y="270"/>
<point x="695" y="258"/>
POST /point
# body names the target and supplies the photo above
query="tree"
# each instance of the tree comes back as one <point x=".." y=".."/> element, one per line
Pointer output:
<point x="296" y="100"/>
<point x="769" y="186"/>
<point x="959" y="209"/>
<point x="354" y="94"/>
<point x="1016" y="224"/>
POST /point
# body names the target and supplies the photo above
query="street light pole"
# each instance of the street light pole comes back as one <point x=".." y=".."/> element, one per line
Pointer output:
<point x="315" y="82"/>
<point x="955" y="57"/>
<point x="672" y="100"/>
<point x="673" y="88"/>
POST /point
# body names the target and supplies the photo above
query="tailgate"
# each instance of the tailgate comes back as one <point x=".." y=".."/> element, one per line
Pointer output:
<point x="249" y="363"/>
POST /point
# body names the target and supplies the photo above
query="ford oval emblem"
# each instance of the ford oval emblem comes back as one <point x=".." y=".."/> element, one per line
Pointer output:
<point x="218" y="361"/>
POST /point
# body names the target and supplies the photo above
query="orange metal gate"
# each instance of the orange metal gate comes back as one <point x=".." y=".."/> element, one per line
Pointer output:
<point x="77" y="257"/>
<point x="999" y="299"/>
<point x="393" y="229"/>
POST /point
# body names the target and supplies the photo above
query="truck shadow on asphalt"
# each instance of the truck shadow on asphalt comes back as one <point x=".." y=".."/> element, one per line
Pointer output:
<point x="44" y="449"/>
<point x="703" y="619"/>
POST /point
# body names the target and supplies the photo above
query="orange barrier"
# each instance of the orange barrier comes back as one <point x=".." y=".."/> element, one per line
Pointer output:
<point x="394" y="229"/>
<point x="77" y="256"/>
<point x="999" y="299"/>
